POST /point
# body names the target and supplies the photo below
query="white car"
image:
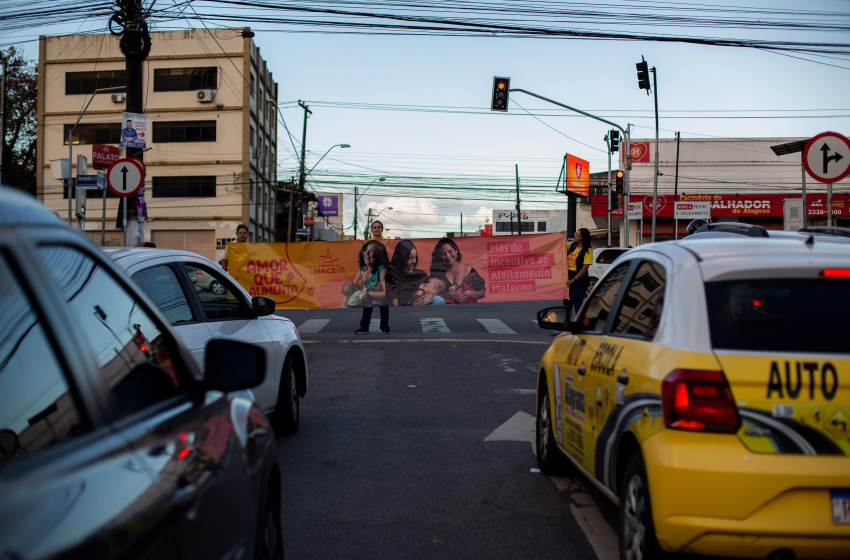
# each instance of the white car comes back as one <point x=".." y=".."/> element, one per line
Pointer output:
<point x="602" y="261"/>
<point x="166" y="276"/>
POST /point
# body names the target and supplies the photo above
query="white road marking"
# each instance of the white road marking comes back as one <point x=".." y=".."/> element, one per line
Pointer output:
<point x="312" y="326"/>
<point x="520" y="427"/>
<point x="435" y="324"/>
<point x="495" y="326"/>
<point x="600" y="535"/>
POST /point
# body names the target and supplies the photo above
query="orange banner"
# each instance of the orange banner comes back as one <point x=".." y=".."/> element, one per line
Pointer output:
<point x="312" y="275"/>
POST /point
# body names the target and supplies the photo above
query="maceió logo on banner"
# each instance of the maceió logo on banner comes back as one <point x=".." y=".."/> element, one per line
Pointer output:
<point x="692" y="210"/>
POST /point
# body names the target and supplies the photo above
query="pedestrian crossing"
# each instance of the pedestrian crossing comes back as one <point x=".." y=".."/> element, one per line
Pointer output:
<point x="426" y="325"/>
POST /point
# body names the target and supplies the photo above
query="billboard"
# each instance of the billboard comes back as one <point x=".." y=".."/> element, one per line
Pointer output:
<point x="578" y="175"/>
<point x="458" y="270"/>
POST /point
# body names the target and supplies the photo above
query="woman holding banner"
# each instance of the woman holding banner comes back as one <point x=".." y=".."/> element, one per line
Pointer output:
<point x="579" y="259"/>
<point x="464" y="283"/>
<point x="403" y="277"/>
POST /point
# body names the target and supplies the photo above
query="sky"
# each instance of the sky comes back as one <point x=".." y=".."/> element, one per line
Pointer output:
<point x="415" y="108"/>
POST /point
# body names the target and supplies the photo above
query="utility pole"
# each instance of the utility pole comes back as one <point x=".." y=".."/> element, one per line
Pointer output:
<point x="135" y="43"/>
<point x="518" y="213"/>
<point x="461" y="224"/>
<point x="655" y="183"/>
<point x="676" y="188"/>
<point x="368" y="224"/>
<point x="2" y="121"/>
<point x="301" y="175"/>
<point x="355" y="212"/>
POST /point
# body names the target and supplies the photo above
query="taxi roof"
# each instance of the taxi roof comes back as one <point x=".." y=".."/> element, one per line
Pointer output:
<point x="726" y="258"/>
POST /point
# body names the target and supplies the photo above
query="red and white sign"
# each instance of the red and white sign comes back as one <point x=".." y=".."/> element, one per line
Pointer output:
<point x="692" y="210"/>
<point x="639" y="152"/>
<point x="635" y="210"/>
<point x="308" y="220"/>
<point x="125" y="177"/>
<point x="827" y="157"/>
<point x="102" y="156"/>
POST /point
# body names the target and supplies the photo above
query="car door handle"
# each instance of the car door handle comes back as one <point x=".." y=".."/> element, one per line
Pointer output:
<point x="581" y="370"/>
<point x="623" y="378"/>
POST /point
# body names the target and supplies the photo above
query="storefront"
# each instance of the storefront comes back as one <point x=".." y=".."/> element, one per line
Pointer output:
<point x="766" y="210"/>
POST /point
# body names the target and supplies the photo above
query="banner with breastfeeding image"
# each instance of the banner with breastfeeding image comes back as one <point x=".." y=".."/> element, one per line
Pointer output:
<point x="462" y="270"/>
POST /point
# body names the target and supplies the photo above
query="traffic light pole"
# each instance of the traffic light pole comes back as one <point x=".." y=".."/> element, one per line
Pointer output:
<point x="609" y="193"/>
<point x="626" y="147"/>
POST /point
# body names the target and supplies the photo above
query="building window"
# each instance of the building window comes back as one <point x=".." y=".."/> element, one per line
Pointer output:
<point x="506" y="226"/>
<point x="541" y="226"/>
<point x="86" y="82"/>
<point x="183" y="131"/>
<point x="173" y="187"/>
<point x="184" y="79"/>
<point x="221" y="242"/>
<point x="94" y="133"/>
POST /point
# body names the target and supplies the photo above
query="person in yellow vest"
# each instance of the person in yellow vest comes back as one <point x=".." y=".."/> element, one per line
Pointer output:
<point x="579" y="259"/>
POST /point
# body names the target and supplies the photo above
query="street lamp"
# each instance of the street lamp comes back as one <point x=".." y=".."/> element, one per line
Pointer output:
<point x="301" y="182"/>
<point x="356" y="198"/>
<point x="794" y="148"/>
<point x="326" y="153"/>
<point x="71" y="134"/>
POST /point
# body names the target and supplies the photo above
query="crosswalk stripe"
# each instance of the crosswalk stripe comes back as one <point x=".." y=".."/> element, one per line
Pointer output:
<point x="495" y="326"/>
<point x="436" y="324"/>
<point x="312" y="326"/>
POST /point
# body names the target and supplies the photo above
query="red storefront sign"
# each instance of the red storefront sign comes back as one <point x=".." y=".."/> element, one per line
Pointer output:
<point x="740" y="207"/>
<point x="103" y="156"/>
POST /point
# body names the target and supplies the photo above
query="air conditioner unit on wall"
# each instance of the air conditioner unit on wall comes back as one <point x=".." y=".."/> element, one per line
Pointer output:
<point x="205" y="95"/>
<point x="118" y="98"/>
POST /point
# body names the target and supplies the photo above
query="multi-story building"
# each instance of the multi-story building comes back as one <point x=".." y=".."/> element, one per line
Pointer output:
<point x="212" y="133"/>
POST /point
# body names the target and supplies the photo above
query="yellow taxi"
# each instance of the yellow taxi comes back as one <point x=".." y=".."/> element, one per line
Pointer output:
<point x="704" y="387"/>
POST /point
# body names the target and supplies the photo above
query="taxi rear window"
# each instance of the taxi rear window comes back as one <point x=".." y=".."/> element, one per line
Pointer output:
<point x="799" y="315"/>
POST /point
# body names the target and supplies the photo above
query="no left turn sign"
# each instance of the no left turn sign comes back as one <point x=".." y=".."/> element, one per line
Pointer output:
<point x="125" y="177"/>
<point x="827" y="157"/>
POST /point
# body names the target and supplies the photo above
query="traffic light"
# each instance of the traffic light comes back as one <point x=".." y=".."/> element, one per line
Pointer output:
<point x="619" y="185"/>
<point x="643" y="75"/>
<point x="614" y="138"/>
<point x="501" y="86"/>
<point x="615" y="200"/>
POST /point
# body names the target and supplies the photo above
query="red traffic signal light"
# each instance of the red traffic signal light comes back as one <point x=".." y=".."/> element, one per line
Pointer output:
<point x="501" y="87"/>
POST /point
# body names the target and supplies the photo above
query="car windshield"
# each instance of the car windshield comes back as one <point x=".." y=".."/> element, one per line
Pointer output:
<point x="792" y="315"/>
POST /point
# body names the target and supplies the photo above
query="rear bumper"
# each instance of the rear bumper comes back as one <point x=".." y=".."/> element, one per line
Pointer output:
<point x="711" y="495"/>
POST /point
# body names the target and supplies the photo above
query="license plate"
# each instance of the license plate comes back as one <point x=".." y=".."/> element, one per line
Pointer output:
<point x="841" y="507"/>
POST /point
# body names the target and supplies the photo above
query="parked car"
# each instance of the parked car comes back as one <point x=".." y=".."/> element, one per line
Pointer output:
<point x="602" y="261"/>
<point x="205" y="282"/>
<point x="704" y="388"/>
<point x="223" y="309"/>
<point x="113" y="443"/>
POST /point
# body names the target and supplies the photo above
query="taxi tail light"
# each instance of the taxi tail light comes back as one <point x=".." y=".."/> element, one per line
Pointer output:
<point x="699" y="400"/>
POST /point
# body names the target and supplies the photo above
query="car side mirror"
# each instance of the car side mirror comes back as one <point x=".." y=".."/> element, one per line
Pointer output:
<point x="557" y="319"/>
<point x="231" y="365"/>
<point x="263" y="305"/>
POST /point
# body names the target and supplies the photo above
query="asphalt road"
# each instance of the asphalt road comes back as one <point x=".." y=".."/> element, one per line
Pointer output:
<point x="419" y="444"/>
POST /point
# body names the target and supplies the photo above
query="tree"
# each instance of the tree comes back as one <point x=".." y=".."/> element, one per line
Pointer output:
<point x="19" y="158"/>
